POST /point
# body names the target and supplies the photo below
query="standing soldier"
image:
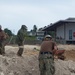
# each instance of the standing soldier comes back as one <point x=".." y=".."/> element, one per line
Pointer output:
<point x="20" y="39"/>
<point x="2" y="39"/>
<point x="46" y="56"/>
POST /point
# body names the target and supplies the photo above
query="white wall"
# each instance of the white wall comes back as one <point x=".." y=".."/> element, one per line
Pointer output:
<point x="40" y="33"/>
<point x="69" y="27"/>
<point x="60" y="31"/>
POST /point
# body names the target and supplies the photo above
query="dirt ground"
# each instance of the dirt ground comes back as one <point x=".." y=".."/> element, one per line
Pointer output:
<point x="69" y="51"/>
<point x="70" y="55"/>
<point x="28" y="64"/>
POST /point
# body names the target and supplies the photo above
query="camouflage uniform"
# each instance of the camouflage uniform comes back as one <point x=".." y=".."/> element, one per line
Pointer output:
<point x="20" y="40"/>
<point x="2" y="49"/>
<point x="2" y="39"/>
<point x="46" y="56"/>
<point x="46" y="64"/>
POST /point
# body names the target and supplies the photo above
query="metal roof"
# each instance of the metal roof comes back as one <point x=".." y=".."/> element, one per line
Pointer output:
<point x="58" y="23"/>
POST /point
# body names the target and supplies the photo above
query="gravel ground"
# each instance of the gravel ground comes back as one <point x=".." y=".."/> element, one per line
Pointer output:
<point x="11" y="64"/>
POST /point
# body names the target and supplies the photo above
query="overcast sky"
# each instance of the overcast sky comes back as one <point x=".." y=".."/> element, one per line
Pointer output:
<point x="14" y="13"/>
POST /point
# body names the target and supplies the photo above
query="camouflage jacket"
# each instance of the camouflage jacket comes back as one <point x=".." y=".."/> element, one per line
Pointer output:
<point x="20" y="36"/>
<point x="2" y="35"/>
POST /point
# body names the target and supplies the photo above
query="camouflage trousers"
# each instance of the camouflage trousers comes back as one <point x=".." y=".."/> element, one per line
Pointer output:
<point x="46" y="64"/>
<point x="20" y="51"/>
<point x="2" y="49"/>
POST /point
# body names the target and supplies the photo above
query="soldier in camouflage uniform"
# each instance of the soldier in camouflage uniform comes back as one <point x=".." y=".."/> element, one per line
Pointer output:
<point x="20" y="39"/>
<point x="46" y="56"/>
<point x="2" y="39"/>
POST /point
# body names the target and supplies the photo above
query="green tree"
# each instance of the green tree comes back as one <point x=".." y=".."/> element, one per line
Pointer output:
<point x="9" y="32"/>
<point x="34" y="28"/>
<point x="52" y="33"/>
